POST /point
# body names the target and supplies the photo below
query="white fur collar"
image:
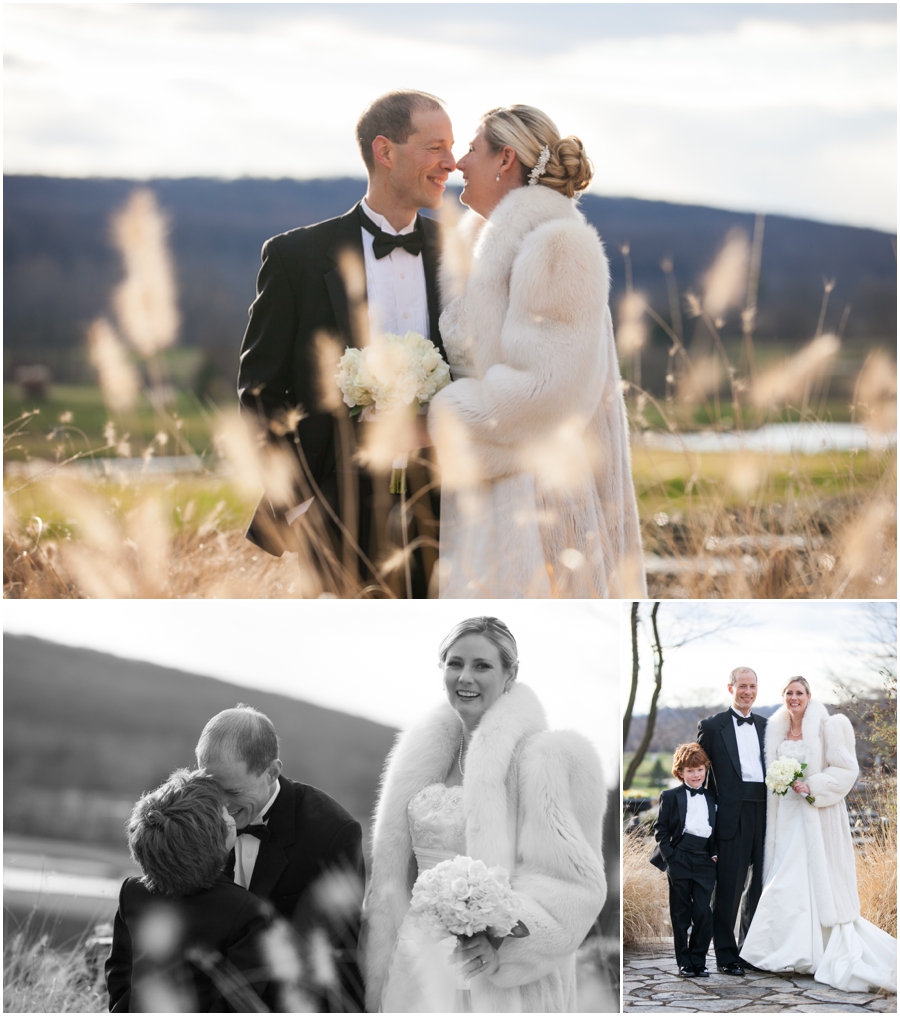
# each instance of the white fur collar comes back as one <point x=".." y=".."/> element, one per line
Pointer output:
<point x="521" y="211"/>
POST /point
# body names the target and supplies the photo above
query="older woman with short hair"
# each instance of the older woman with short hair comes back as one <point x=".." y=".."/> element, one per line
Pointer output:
<point x="180" y="835"/>
<point x="482" y="776"/>
<point x="808" y="918"/>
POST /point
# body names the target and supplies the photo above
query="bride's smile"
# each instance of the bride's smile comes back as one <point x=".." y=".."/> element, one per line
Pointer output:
<point x="474" y="677"/>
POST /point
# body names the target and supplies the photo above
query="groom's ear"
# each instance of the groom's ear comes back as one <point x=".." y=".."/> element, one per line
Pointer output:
<point x="382" y="151"/>
<point x="274" y="769"/>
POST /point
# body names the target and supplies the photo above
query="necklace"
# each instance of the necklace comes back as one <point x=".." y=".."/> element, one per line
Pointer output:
<point x="459" y="757"/>
<point x="795" y="737"/>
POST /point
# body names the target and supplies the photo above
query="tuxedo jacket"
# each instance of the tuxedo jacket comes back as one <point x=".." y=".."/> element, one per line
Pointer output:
<point x="669" y="826"/>
<point x="311" y="836"/>
<point x="717" y="738"/>
<point x="300" y="293"/>
<point x="224" y="919"/>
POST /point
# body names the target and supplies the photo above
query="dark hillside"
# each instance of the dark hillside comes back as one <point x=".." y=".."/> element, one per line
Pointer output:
<point x="59" y="265"/>
<point x="88" y="730"/>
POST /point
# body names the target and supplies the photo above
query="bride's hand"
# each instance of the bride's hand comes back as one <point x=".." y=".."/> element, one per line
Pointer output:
<point x="801" y="788"/>
<point x="476" y="956"/>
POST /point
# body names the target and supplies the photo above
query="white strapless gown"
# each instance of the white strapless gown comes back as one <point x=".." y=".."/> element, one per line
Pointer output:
<point x="423" y="977"/>
<point x="786" y="935"/>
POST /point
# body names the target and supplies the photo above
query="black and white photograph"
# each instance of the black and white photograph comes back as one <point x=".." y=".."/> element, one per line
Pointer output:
<point x="759" y="808"/>
<point x="373" y="807"/>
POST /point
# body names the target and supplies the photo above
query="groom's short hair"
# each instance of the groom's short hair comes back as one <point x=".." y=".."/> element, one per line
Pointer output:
<point x="177" y="835"/>
<point x="242" y="733"/>
<point x="390" y="115"/>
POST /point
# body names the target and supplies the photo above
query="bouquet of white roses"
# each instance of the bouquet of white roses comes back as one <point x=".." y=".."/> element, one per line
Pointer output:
<point x="465" y="897"/>
<point x="391" y="373"/>
<point x="783" y="773"/>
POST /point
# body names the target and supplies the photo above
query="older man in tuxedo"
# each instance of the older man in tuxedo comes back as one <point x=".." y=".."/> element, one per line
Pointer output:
<point x="295" y="847"/>
<point x="304" y="290"/>
<point x="733" y="740"/>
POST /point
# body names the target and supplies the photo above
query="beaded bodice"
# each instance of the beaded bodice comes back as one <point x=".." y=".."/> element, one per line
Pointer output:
<point x="437" y="824"/>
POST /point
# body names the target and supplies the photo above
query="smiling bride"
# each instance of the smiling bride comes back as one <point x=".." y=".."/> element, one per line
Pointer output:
<point x="482" y="779"/>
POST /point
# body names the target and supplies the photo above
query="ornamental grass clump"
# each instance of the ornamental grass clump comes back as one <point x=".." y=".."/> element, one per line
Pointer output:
<point x="645" y="896"/>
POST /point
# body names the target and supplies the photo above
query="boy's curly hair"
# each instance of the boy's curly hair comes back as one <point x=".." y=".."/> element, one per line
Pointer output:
<point x="688" y="756"/>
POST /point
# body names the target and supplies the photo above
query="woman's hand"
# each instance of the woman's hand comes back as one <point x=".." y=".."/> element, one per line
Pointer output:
<point x="800" y="788"/>
<point x="476" y="956"/>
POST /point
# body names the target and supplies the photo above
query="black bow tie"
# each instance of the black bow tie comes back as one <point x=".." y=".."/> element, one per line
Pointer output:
<point x="260" y="831"/>
<point x="693" y="792"/>
<point x="384" y="243"/>
<point x="743" y="719"/>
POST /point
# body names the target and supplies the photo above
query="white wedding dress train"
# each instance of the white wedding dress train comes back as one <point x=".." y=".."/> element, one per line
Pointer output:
<point x="786" y="933"/>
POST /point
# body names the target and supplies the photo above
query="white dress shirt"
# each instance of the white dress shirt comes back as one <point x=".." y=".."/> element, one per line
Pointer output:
<point x="696" y="821"/>
<point x="246" y="848"/>
<point x="748" y="749"/>
<point x="395" y="284"/>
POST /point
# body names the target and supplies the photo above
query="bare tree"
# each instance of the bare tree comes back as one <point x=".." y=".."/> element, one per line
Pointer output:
<point x="702" y="625"/>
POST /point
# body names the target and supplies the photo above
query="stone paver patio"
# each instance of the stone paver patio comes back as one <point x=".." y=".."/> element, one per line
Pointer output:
<point x="652" y="984"/>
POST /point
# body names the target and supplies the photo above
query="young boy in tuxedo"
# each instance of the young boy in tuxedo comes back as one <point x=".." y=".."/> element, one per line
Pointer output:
<point x="685" y="851"/>
<point x="184" y="936"/>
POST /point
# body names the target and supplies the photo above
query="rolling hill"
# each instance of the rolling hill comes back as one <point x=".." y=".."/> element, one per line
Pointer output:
<point x="85" y="733"/>
<point x="59" y="263"/>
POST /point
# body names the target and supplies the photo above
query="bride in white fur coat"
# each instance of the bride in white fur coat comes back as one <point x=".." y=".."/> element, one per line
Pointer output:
<point x="808" y="918"/>
<point x="532" y="438"/>
<point x="483" y="777"/>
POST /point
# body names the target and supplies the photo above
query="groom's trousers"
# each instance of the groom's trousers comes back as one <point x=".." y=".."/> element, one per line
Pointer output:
<point x="739" y="875"/>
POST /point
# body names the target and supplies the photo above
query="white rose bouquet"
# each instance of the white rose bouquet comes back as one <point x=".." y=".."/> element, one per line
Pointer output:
<point x="464" y="897"/>
<point x="391" y="373"/>
<point x="783" y="773"/>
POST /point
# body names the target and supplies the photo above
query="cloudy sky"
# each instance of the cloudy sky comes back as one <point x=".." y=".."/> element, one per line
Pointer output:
<point x="376" y="659"/>
<point x="824" y="641"/>
<point x="785" y="108"/>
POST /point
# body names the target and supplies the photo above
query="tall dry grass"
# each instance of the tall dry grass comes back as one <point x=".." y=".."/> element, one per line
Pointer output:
<point x="876" y="861"/>
<point x="753" y="524"/>
<point x="737" y="524"/>
<point x="39" y="978"/>
<point x="645" y="893"/>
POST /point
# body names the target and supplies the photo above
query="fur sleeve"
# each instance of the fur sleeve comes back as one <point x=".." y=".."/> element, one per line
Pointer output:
<point x="841" y="768"/>
<point x="552" y="368"/>
<point x="559" y="880"/>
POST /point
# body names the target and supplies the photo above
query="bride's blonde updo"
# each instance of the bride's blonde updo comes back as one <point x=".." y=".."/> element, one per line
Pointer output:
<point x="527" y="130"/>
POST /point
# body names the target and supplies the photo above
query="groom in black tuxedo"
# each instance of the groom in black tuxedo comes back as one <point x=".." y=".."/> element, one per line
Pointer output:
<point x="296" y="846"/>
<point x="305" y="289"/>
<point x="733" y="740"/>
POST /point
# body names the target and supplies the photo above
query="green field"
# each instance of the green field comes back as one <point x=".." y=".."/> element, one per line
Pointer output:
<point x="72" y="420"/>
<point x="654" y="773"/>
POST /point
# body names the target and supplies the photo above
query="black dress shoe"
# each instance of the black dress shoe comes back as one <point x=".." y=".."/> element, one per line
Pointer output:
<point x="687" y="972"/>
<point x="701" y="972"/>
<point x="735" y="969"/>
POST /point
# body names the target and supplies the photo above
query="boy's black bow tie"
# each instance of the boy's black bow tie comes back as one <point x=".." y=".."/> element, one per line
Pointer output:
<point x="384" y="242"/>
<point x="693" y="792"/>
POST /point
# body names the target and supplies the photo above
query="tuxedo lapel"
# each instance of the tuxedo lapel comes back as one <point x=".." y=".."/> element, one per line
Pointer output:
<point x="681" y="798"/>
<point x="760" y="724"/>
<point x="711" y="808"/>
<point x="431" y="253"/>
<point x="272" y="859"/>
<point x="731" y="746"/>
<point x="347" y="237"/>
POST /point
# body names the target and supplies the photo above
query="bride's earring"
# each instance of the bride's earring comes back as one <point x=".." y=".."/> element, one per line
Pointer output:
<point x="498" y="178"/>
